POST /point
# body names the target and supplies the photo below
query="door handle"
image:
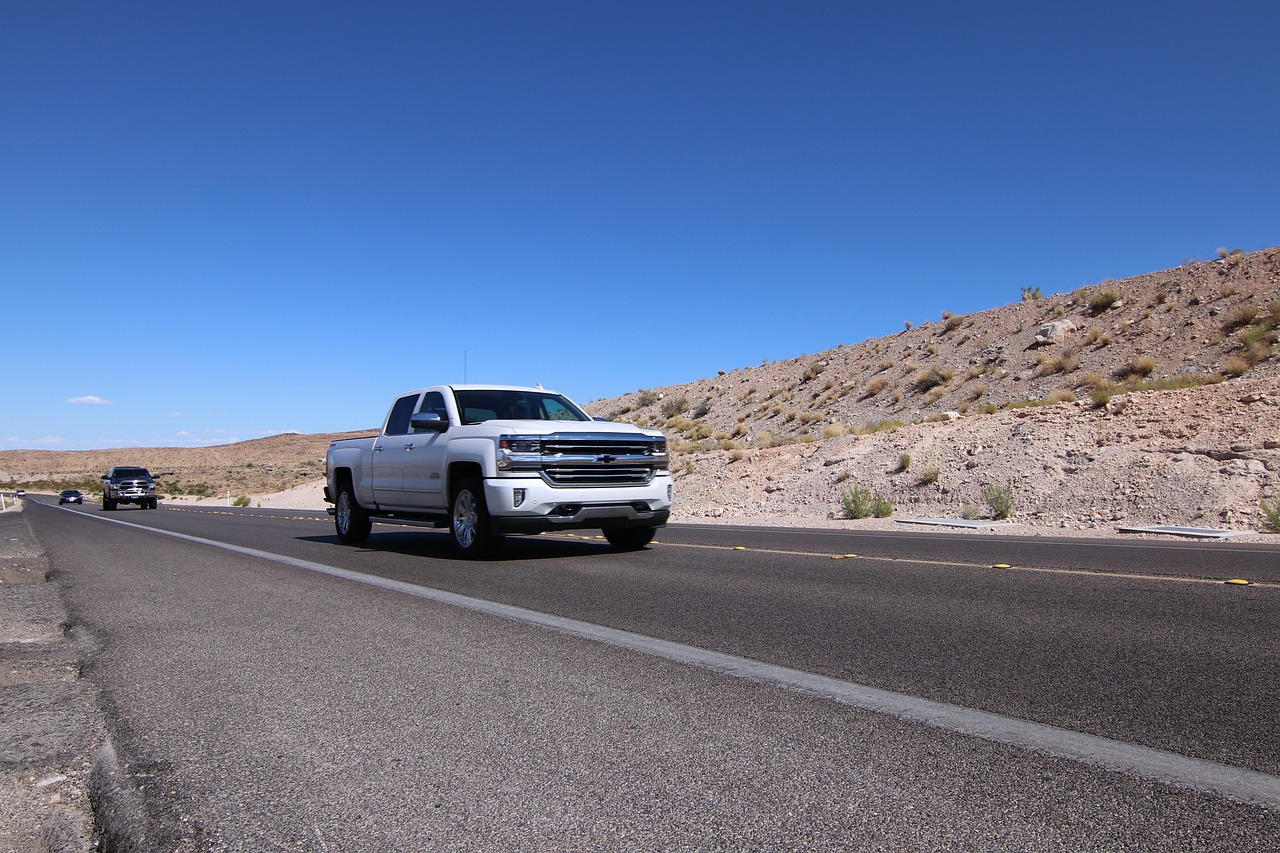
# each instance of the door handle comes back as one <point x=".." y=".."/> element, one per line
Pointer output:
<point x="408" y="447"/>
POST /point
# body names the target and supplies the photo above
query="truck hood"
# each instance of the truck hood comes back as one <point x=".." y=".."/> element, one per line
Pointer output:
<point x="532" y="427"/>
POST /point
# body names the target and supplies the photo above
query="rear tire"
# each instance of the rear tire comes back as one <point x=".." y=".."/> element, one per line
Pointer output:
<point x="629" y="538"/>
<point x="469" y="521"/>
<point x="352" y="523"/>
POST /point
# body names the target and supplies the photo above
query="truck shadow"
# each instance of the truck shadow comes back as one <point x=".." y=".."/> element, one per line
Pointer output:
<point x="436" y="545"/>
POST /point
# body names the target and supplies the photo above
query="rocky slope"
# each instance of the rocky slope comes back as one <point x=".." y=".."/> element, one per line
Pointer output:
<point x="1167" y="388"/>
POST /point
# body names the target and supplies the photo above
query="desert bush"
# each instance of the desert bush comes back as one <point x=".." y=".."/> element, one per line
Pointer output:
<point x="881" y="507"/>
<point x="1103" y="300"/>
<point x="1101" y="396"/>
<point x="904" y="461"/>
<point x="968" y="513"/>
<point x="1236" y="366"/>
<point x="930" y="475"/>
<point x="885" y="364"/>
<point x="874" y="386"/>
<point x="987" y="409"/>
<point x="243" y="500"/>
<point x="950" y="324"/>
<point x="1139" y="367"/>
<point x="855" y="502"/>
<point x="878" y="426"/>
<point x="1270" y="514"/>
<point x="977" y="391"/>
<point x="1242" y="316"/>
<point x="1030" y="294"/>
<point x="932" y="377"/>
<point x="1063" y="395"/>
<point x="833" y="431"/>
<point x="1095" y="380"/>
<point x="673" y="406"/>
<point x="1000" y="500"/>
<point x="1066" y="361"/>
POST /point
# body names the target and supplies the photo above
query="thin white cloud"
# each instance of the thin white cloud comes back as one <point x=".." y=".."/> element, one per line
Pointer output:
<point x="90" y="400"/>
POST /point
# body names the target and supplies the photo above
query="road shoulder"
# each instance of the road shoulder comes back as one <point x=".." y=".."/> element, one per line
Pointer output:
<point x="50" y="724"/>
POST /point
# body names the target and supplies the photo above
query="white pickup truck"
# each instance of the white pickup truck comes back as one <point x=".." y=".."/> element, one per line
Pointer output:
<point x="487" y="460"/>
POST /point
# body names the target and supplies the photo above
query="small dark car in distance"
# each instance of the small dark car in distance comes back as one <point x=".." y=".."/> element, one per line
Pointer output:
<point x="70" y="496"/>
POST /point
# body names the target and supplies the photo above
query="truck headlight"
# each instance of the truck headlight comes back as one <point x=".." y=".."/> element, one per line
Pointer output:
<point x="519" y="451"/>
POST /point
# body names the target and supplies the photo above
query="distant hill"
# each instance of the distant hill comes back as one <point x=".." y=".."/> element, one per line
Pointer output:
<point x="263" y="465"/>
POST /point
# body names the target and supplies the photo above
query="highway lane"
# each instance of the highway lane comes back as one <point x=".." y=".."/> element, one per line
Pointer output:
<point x="1181" y="666"/>
<point x="1149" y="660"/>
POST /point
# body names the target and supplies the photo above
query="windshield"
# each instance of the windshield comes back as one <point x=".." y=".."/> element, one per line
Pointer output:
<point x="131" y="472"/>
<point x="479" y="406"/>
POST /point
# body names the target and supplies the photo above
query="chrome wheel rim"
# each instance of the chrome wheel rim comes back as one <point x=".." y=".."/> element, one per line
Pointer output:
<point x="343" y="515"/>
<point x="464" y="519"/>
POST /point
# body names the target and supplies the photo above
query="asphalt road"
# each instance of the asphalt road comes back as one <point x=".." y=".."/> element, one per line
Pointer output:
<point x="711" y="692"/>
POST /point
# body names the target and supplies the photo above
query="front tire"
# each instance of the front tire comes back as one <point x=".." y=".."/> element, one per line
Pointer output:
<point x="352" y="523"/>
<point x="629" y="538"/>
<point x="107" y="504"/>
<point x="469" y="521"/>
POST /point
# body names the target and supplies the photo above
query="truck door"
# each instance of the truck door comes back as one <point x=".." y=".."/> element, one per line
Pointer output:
<point x="391" y="451"/>
<point x="424" y="464"/>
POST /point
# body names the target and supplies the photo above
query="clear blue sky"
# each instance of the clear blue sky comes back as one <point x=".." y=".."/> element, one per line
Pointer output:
<point x="225" y="220"/>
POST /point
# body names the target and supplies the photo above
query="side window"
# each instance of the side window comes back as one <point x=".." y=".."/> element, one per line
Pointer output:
<point x="398" y="420"/>
<point x="433" y="404"/>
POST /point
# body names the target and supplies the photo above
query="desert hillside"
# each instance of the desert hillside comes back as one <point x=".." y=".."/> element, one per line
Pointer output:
<point x="1154" y="399"/>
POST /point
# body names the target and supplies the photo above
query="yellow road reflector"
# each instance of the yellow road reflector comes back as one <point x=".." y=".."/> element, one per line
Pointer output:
<point x="844" y="556"/>
<point x="1238" y="582"/>
<point x="739" y="548"/>
<point x="1001" y="566"/>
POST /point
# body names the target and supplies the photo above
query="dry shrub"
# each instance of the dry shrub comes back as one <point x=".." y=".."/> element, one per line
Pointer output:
<point x="932" y="377"/>
<point x="1236" y="366"/>
<point x="1141" y="366"/>
<point x="1063" y="395"/>
<point x="1103" y="300"/>
<point x="874" y="386"/>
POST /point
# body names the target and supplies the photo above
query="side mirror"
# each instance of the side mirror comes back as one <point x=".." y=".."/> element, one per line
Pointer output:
<point x="428" y="421"/>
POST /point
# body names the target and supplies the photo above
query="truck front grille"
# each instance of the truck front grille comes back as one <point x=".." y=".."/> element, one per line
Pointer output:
<point x="600" y="460"/>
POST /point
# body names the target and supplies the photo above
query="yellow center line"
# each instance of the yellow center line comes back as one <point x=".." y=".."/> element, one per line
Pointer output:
<point x="826" y="555"/>
<point x="1101" y="573"/>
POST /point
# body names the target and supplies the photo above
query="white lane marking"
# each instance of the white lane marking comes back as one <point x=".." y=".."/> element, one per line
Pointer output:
<point x="1236" y="783"/>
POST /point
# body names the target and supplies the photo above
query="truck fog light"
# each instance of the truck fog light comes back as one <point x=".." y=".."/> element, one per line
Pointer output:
<point x="517" y="497"/>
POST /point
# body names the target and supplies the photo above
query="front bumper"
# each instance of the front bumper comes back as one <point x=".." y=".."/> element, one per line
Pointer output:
<point x="544" y="508"/>
<point x="125" y="496"/>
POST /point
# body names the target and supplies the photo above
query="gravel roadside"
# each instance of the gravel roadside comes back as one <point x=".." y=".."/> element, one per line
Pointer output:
<point x="50" y="725"/>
